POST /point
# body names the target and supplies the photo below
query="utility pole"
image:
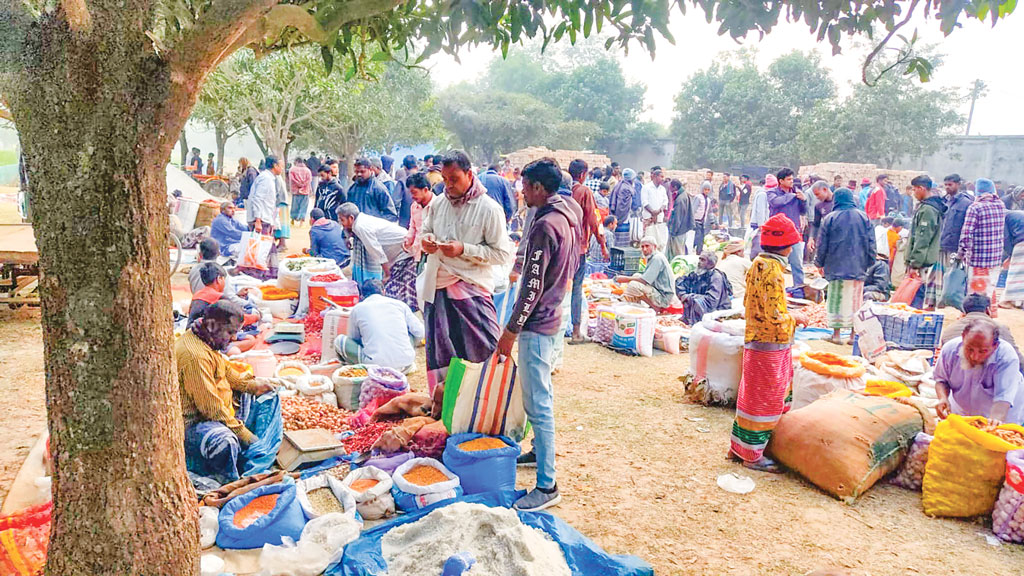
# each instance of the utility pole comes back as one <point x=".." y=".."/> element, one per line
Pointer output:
<point x="979" y="88"/>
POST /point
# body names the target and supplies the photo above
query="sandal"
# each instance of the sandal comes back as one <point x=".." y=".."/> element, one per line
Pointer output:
<point x="764" y="465"/>
<point x="576" y="340"/>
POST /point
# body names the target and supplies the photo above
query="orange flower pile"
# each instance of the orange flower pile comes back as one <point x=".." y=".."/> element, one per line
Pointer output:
<point x="275" y="293"/>
<point x="421" y="475"/>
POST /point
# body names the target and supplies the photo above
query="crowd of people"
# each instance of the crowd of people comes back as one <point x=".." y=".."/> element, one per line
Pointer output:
<point x="438" y="236"/>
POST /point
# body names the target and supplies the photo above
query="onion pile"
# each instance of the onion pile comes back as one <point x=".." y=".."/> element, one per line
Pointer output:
<point x="304" y="413"/>
<point x="911" y="472"/>
<point x="1008" y="515"/>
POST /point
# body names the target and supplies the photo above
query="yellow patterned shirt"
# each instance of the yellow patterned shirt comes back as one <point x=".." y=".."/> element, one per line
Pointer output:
<point x="768" y="319"/>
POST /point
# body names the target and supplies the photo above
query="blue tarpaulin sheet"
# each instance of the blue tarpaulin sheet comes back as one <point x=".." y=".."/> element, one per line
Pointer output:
<point x="363" y="556"/>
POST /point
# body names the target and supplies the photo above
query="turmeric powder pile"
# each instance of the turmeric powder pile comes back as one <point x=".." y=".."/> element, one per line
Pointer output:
<point x="481" y="444"/>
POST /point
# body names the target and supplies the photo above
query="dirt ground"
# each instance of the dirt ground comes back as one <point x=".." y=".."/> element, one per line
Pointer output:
<point x="637" y="469"/>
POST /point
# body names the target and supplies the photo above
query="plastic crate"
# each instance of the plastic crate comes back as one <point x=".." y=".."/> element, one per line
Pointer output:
<point x="914" y="333"/>
<point x="626" y="260"/>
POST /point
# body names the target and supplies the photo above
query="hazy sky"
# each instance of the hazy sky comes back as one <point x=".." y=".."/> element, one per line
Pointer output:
<point x="976" y="51"/>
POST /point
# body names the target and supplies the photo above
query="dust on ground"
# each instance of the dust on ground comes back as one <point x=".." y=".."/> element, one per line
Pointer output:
<point x="637" y="469"/>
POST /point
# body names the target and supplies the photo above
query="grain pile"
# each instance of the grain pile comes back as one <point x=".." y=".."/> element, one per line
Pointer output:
<point x="496" y="537"/>
<point x="523" y="157"/>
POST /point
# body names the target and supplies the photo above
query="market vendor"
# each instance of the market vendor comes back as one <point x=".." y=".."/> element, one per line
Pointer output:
<point x="214" y="282"/>
<point x="735" y="266"/>
<point x="978" y="374"/>
<point x="654" y="286"/>
<point x="216" y="436"/>
<point x="227" y="231"/>
<point x="765" y="390"/>
<point x="381" y="331"/>
<point x="704" y="290"/>
<point x="376" y="243"/>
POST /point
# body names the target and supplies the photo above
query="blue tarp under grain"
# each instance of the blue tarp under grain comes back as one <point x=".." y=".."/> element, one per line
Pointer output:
<point x="363" y="556"/>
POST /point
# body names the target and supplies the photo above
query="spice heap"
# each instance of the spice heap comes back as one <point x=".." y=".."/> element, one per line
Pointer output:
<point x="290" y="371"/>
<point x="303" y="413"/>
<point x="421" y="475"/>
<point x="816" y="315"/>
<point x="481" y="444"/>
<point x="314" y="323"/>
<point x="326" y="278"/>
<point x="324" y="501"/>
<point x="1011" y="436"/>
<point x="353" y="372"/>
<point x="365" y="437"/>
<point x="275" y="293"/>
<point x="253" y="511"/>
<point x="363" y="484"/>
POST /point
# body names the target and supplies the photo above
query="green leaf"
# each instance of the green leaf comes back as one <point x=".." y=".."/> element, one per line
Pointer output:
<point x="350" y="72"/>
<point x="588" y="23"/>
<point x="381" y="57"/>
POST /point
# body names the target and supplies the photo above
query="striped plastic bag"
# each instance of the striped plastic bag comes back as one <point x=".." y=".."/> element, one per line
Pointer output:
<point x="24" y="537"/>
<point x="484" y="397"/>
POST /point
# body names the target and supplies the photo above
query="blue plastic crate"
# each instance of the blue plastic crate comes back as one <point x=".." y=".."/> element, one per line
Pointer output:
<point x="913" y="333"/>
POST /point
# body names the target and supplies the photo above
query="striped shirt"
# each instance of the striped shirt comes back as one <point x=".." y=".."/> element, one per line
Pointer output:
<point x="207" y="382"/>
<point x="981" y="241"/>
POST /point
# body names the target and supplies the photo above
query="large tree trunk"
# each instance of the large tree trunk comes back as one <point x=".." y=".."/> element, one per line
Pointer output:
<point x="98" y="122"/>
<point x="259" y="141"/>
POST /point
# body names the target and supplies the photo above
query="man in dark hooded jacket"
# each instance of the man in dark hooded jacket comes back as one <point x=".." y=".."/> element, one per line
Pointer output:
<point x="923" y="257"/>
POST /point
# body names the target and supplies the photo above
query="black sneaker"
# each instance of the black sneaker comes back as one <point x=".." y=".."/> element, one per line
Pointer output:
<point x="529" y="459"/>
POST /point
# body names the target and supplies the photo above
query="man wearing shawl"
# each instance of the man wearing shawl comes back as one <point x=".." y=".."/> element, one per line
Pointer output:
<point x="464" y="236"/>
<point x="765" y="389"/>
<point x="704" y="290"/>
<point x="845" y="251"/>
<point x="981" y="242"/>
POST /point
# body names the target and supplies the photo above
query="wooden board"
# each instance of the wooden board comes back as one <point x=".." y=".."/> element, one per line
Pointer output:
<point x="18" y="244"/>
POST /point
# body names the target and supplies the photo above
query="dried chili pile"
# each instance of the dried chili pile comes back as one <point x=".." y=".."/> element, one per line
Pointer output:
<point x="326" y="278"/>
<point x="365" y="437"/>
<point x="314" y="323"/>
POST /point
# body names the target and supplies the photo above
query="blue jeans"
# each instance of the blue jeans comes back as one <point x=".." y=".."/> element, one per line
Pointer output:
<point x="538" y="400"/>
<point x="796" y="262"/>
<point x="576" y="306"/>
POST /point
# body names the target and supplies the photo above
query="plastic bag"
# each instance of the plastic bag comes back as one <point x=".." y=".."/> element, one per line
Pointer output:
<point x="267" y="425"/>
<point x="331" y="532"/>
<point x="24" y="538"/>
<point x="208" y="526"/>
<point x="907" y="291"/>
<point x="604" y="327"/>
<point x="291" y="559"/>
<point x="382" y="384"/>
<point x="965" y="468"/>
<point x="954" y="287"/>
<point x="409" y="496"/>
<point x="484" y="397"/>
<point x="716" y="363"/>
<point x="1008" y="515"/>
<point x="375" y="502"/>
<point x="388" y="463"/>
<point x="482" y="470"/>
<point x="911" y="472"/>
<point x="345" y="498"/>
<point x="818" y="373"/>
<point x="255" y="250"/>
<point x="314" y="386"/>
<point x="429" y="441"/>
<point x="285" y="520"/>
<point x="634" y="329"/>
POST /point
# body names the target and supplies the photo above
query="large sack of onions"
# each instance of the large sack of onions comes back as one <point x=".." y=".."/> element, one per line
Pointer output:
<point x="966" y="465"/>
<point x="1008" y="515"/>
<point x="911" y="472"/>
<point x="817" y="373"/>
<point x="845" y="442"/>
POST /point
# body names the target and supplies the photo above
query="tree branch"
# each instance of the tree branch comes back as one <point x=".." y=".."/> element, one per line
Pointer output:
<point x="881" y="45"/>
<point x="77" y="14"/>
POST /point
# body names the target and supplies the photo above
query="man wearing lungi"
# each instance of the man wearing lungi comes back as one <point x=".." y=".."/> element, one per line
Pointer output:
<point x="923" y="260"/>
<point x="981" y="242"/>
<point x="464" y="236"/>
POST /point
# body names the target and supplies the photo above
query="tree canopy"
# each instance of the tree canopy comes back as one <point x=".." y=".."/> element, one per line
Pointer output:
<point x="733" y="113"/>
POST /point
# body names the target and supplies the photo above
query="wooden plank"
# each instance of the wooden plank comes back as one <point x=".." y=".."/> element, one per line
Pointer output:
<point x="18" y="244"/>
<point x="19" y="300"/>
